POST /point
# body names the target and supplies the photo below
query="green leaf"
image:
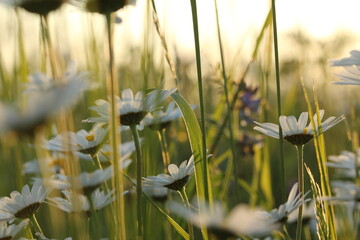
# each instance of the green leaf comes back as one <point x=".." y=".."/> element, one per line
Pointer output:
<point x="195" y="139"/>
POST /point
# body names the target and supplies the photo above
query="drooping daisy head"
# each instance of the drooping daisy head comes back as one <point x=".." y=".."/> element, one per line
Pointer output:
<point x="297" y="132"/>
<point x="281" y="214"/>
<point x="23" y="205"/>
<point x="41" y="7"/>
<point x="101" y="6"/>
<point x="177" y="179"/>
<point x="242" y="220"/>
<point x="130" y="109"/>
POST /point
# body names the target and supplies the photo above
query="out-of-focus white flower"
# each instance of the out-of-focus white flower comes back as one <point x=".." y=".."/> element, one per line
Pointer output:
<point x="54" y="164"/>
<point x="9" y="231"/>
<point x="296" y="132"/>
<point x="308" y="213"/>
<point x="81" y="141"/>
<point x="41" y="7"/>
<point x="281" y="214"/>
<point x="242" y="220"/>
<point x="350" y="74"/>
<point x="130" y="109"/>
<point x="23" y="205"/>
<point x="344" y="191"/>
<point x="99" y="200"/>
<point x="88" y="182"/>
<point x="176" y="180"/>
<point x="159" y="119"/>
<point x="345" y="163"/>
<point x="41" y="105"/>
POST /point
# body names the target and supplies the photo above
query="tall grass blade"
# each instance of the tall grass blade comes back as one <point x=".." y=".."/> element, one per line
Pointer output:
<point x="196" y="144"/>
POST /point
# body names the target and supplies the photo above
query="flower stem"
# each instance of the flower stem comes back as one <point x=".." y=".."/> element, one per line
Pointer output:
<point x="229" y="110"/>
<point x="164" y="148"/>
<point x="201" y="100"/>
<point x="300" y="156"/>
<point x="278" y="91"/>
<point x="112" y="88"/>
<point x="138" y="180"/>
<point x="185" y="200"/>
<point x="37" y="224"/>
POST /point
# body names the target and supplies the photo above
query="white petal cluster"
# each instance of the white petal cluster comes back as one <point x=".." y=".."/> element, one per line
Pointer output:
<point x="42" y="104"/>
<point x="82" y="141"/>
<point x="350" y="74"/>
<point x="9" y="231"/>
<point x="140" y="104"/>
<point x="345" y="163"/>
<point x="242" y="220"/>
<point x="74" y="202"/>
<point x="24" y="204"/>
<point x="176" y="180"/>
<point x="292" y="127"/>
<point x="281" y="214"/>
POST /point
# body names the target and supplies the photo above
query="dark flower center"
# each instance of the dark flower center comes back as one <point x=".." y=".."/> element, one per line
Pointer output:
<point x="105" y="6"/>
<point x="221" y="233"/>
<point x="91" y="150"/>
<point x="89" y="189"/>
<point x="283" y="220"/>
<point x="132" y="118"/>
<point x="6" y="238"/>
<point x="42" y="7"/>
<point x="178" y="184"/>
<point x="299" y="139"/>
<point x="28" y="211"/>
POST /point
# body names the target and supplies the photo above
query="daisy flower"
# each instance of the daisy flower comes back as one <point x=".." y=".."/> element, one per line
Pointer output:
<point x="41" y="7"/>
<point x="99" y="200"/>
<point x="242" y="220"/>
<point x="130" y="109"/>
<point x="104" y="154"/>
<point x="350" y="74"/>
<point x="295" y="131"/>
<point x="281" y="214"/>
<point x="54" y="164"/>
<point x="159" y="119"/>
<point x="88" y="143"/>
<point x="176" y="180"/>
<point x="41" y="105"/>
<point x="345" y="163"/>
<point x="9" y="231"/>
<point x="344" y="191"/>
<point x="23" y="205"/>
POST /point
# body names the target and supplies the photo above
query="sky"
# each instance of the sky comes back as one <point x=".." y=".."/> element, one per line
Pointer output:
<point x="240" y="21"/>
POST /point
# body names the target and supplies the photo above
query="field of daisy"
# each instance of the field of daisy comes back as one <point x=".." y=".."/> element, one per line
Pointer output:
<point x="114" y="124"/>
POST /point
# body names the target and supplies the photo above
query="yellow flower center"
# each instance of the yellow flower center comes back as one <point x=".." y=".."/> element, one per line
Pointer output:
<point x="305" y="131"/>
<point x="90" y="137"/>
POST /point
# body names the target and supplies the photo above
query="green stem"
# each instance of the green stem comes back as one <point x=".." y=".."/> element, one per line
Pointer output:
<point x="185" y="200"/>
<point x="278" y="91"/>
<point x="138" y="180"/>
<point x="37" y="224"/>
<point x="119" y="186"/>
<point x="201" y="99"/>
<point x="300" y="156"/>
<point x="164" y="148"/>
<point x="229" y="111"/>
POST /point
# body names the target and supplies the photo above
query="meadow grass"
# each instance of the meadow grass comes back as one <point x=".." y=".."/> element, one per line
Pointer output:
<point x="238" y="180"/>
